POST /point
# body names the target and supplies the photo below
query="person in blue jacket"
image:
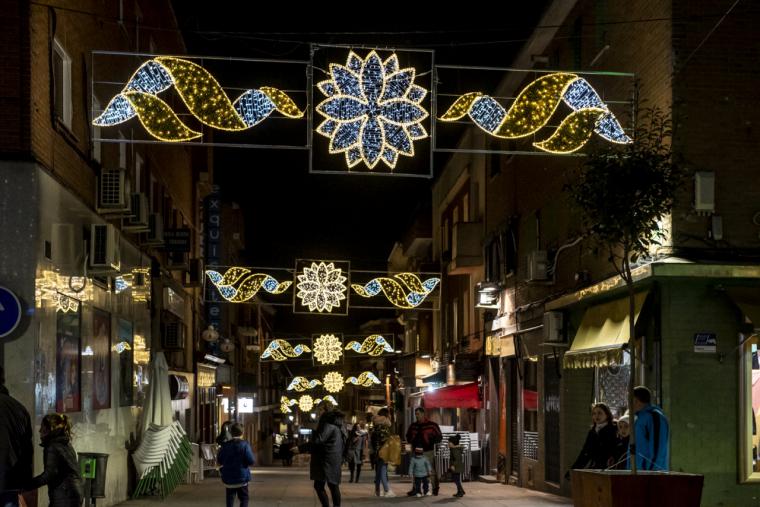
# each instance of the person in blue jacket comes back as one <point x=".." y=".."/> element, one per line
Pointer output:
<point x="235" y="457"/>
<point x="652" y="432"/>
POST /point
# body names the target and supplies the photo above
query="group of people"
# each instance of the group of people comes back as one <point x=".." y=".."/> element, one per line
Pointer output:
<point x="61" y="467"/>
<point x="331" y="445"/>
<point x="607" y="444"/>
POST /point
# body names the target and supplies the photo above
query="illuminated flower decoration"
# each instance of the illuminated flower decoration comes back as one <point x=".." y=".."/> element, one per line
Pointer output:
<point x="301" y="384"/>
<point x="280" y="350"/>
<point x="66" y="304"/>
<point x="328" y="349"/>
<point x="321" y="287"/>
<point x="365" y="379"/>
<point x="333" y="382"/>
<point x="285" y="404"/>
<point x="374" y="345"/>
<point x="201" y="94"/>
<point x="533" y="108"/>
<point x="404" y="290"/>
<point x="238" y="285"/>
<point x="373" y="110"/>
<point x="305" y="403"/>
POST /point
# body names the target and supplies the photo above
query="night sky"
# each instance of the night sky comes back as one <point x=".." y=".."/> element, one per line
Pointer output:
<point x="289" y="213"/>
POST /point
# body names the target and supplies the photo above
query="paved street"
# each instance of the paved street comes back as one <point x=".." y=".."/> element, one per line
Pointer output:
<point x="288" y="487"/>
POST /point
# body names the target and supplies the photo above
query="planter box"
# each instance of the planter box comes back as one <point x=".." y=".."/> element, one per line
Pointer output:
<point x="620" y="488"/>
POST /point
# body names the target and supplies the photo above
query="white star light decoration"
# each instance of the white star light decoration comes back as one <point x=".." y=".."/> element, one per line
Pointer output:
<point x="373" y="110"/>
<point x="327" y="349"/>
<point x="321" y="287"/>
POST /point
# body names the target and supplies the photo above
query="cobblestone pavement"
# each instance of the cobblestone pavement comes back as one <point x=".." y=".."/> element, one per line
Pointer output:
<point x="286" y="487"/>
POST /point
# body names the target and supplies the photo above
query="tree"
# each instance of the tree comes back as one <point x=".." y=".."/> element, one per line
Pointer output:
<point x="623" y="193"/>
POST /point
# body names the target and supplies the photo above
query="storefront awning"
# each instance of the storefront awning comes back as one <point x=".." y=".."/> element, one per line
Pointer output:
<point x="461" y="396"/>
<point x="602" y="333"/>
<point x="748" y="300"/>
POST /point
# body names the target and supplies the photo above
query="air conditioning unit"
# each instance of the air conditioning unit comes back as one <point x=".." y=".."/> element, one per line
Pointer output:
<point x="553" y="327"/>
<point x="138" y="221"/>
<point x="174" y="336"/>
<point x="155" y="234"/>
<point x="104" y="248"/>
<point x="537" y="263"/>
<point x="113" y="191"/>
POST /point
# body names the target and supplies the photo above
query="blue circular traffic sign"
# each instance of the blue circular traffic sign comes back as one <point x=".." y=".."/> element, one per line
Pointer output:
<point x="10" y="312"/>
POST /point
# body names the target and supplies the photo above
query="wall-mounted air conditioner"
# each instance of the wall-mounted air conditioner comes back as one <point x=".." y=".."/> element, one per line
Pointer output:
<point x="66" y="249"/>
<point x="537" y="263"/>
<point x="155" y="234"/>
<point x="174" y="336"/>
<point x="113" y="191"/>
<point x="553" y="327"/>
<point x="104" y="248"/>
<point x="139" y="220"/>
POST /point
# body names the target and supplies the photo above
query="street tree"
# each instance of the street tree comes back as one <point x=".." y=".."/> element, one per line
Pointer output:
<point x="623" y="193"/>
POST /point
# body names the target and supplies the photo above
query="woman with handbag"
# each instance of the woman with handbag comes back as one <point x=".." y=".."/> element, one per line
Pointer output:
<point x="381" y="433"/>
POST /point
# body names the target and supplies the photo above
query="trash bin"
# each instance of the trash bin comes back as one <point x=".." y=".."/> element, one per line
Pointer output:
<point x="93" y="468"/>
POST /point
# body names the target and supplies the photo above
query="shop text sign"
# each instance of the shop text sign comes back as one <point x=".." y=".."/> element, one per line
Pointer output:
<point x="705" y="343"/>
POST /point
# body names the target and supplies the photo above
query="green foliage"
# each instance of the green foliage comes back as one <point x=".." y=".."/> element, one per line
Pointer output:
<point x="623" y="192"/>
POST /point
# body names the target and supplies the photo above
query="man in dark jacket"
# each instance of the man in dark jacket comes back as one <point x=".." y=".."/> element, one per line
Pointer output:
<point x="16" y="448"/>
<point x="235" y="457"/>
<point x="425" y="433"/>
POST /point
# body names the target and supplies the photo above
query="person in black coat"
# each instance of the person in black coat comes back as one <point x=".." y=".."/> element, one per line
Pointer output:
<point x="327" y="444"/>
<point x="61" y="474"/>
<point x="16" y="448"/>
<point x="599" y="448"/>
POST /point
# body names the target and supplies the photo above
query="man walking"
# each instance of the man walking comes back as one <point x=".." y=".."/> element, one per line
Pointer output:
<point x="16" y="449"/>
<point x="424" y="433"/>
<point x="652" y="432"/>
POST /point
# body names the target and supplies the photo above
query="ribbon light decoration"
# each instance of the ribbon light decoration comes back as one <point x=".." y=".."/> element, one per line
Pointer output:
<point x="409" y="293"/>
<point x="374" y="345"/>
<point x="238" y="285"/>
<point x="200" y="92"/>
<point x="533" y="108"/>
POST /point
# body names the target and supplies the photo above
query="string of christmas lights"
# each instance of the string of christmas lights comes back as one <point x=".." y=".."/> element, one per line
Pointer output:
<point x="408" y="294"/>
<point x="533" y="108"/>
<point x="201" y="94"/>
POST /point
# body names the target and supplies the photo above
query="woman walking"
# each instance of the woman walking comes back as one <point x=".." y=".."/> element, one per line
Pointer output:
<point x="357" y="442"/>
<point x="61" y="474"/>
<point x="381" y="432"/>
<point x="326" y="449"/>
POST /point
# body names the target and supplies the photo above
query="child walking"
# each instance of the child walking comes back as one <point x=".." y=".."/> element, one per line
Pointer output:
<point x="235" y="457"/>
<point x="456" y="464"/>
<point x="419" y="468"/>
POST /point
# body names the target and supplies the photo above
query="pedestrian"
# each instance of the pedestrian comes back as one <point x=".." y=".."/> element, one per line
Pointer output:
<point x="598" y="449"/>
<point x="61" y="468"/>
<point x="652" y="432"/>
<point x="381" y="432"/>
<point x="235" y="456"/>
<point x="456" y="463"/>
<point x="357" y="442"/>
<point x="419" y="471"/>
<point x="326" y="447"/>
<point x="620" y="454"/>
<point x="16" y="448"/>
<point x="426" y="434"/>
<point x="224" y="433"/>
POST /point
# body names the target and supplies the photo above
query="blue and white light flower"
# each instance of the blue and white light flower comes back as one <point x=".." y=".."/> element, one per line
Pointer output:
<point x="373" y="110"/>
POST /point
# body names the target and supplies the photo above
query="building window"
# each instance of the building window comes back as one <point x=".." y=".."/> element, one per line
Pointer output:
<point x="62" y="83"/>
<point x="749" y="371"/>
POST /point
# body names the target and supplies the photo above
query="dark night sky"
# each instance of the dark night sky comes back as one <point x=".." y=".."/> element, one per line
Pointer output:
<point x="290" y="213"/>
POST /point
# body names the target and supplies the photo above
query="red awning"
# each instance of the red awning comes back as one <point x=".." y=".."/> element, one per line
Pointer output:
<point x="461" y="396"/>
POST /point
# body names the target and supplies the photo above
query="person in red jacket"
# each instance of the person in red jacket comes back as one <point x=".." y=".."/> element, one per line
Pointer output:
<point x="424" y="433"/>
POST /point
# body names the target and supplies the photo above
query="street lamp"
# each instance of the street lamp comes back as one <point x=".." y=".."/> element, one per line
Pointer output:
<point x="487" y="295"/>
